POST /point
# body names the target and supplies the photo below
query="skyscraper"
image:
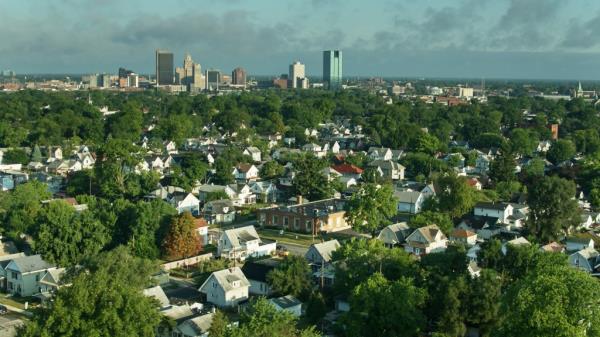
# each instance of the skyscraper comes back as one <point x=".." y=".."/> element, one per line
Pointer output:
<point x="213" y="78"/>
<point x="190" y="74"/>
<point x="297" y="76"/>
<point x="332" y="69"/>
<point x="238" y="76"/>
<point x="164" y="67"/>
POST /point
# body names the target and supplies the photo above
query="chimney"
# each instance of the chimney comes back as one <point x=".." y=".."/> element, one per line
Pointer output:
<point x="299" y="199"/>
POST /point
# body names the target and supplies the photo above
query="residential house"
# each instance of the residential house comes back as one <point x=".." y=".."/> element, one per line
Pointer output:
<point x="380" y="153"/>
<point x="473" y="269"/>
<point x="586" y="259"/>
<point x="254" y="153"/>
<point x="219" y="211"/>
<point x="244" y="194"/>
<point x="520" y="241"/>
<point x="491" y="209"/>
<point x="409" y="201"/>
<point x="158" y="294"/>
<point x="195" y="326"/>
<point x="474" y="183"/>
<point x="319" y="254"/>
<point x="553" y="247"/>
<point x="288" y="303"/>
<point x="256" y="272"/>
<point x="425" y="240"/>
<point x="4" y="261"/>
<point x="51" y="281"/>
<point x="485" y="227"/>
<point x="201" y="226"/>
<point x="86" y="159"/>
<point x="23" y="275"/>
<point x="185" y="202"/>
<point x="245" y="172"/>
<point x="482" y="163"/>
<point x="429" y="190"/>
<point x="575" y="243"/>
<point x="264" y="191"/>
<point x="348" y="170"/>
<point x="395" y="234"/>
<point x="390" y="170"/>
<point x="170" y="146"/>
<point x="239" y="243"/>
<point x="206" y="192"/>
<point x="464" y="237"/>
<point x="326" y="215"/>
<point x="226" y="288"/>
<point x="586" y="221"/>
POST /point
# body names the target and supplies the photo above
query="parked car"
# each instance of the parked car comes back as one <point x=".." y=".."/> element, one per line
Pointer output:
<point x="3" y="310"/>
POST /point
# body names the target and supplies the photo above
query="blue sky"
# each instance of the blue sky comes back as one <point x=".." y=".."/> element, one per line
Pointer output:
<point x="425" y="38"/>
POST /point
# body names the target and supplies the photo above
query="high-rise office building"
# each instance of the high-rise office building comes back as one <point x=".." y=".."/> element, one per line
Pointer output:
<point x="332" y="69"/>
<point x="133" y="80"/>
<point x="106" y="81"/>
<point x="297" y="76"/>
<point x="123" y="73"/>
<point x="238" y="77"/>
<point x="190" y="74"/>
<point x="90" y="80"/>
<point x="164" y="67"/>
<point x="213" y="78"/>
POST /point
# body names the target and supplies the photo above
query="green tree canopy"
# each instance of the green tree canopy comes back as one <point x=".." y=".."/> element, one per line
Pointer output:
<point x="371" y="207"/>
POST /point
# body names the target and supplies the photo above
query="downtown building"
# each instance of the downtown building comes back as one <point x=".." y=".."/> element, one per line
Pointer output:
<point x="238" y="77"/>
<point x="164" y="68"/>
<point x="332" y="69"/>
<point x="297" y="76"/>
<point x="190" y="75"/>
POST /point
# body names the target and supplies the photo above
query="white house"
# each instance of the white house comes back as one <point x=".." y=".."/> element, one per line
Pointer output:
<point x="495" y="210"/>
<point x="380" y="153"/>
<point x="288" y="303"/>
<point x="245" y="172"/>
<point x="256" y="272"/>
<point x="520" y="241"/>
<point x="239" y="243"/>
<point x="425" y="240"/>
<point x="482" y="163"/>
<point x="586" y="259"/>
<point x="195" y="326"/>
<point x="409" y="201"/>
<point x="254" y="153"/>
<point x="23" y="275"/>
<point x="319" y="253"/>
<point x="464" y="237"/>
<point x="185" y="203"/>
<point x="226" y="288"/>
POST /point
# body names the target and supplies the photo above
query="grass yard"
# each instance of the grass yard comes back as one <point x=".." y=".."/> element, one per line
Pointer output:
<point x="288" y="237"/>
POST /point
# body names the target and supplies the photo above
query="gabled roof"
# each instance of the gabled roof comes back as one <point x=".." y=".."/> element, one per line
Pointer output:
<point x="409" y="197"/>
<point x="553" y="247"/>
<point x="28" y="264"/>
<point x="347" y="169"/>
<point x="244" y="168"/>
<point x="158" y="294"/>
<point x="237" y="236"/>
<point x="588" y="253"/>
<point x="325" y="249"/>
<point x="400" y="230"/>
<point x="462" y="233"/>
<point x="226" y="278"/>
<point x="285" y="302"/>
<point x="196" y="326"/>
<point x="499" y="206"/>
<point x="429" y="233"/>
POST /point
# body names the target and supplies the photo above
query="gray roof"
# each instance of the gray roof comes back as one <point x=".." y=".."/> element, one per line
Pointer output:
<point x="211" y="188"/>
<point x="226" y="277"/>
<point x="196" y="326"/>
<point x="285" y="302"/>
<point x="407" y="196"/>
<point x="325" y="249"/>
<point x="243" y="234"/>
<point x="31" y="263"/>
<point x="158" y="294"/>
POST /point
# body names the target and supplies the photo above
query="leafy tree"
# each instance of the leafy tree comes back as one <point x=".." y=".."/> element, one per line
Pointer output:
<point x="219" y="325"/>
<point x="105" y="299"/>
<point x="15" y="156"/>
<point x="114" y="169"/>
<point x="560" y="151"/>
<point x="503" y="168"/>
<point x="376" y="311"/>
<point x="559" y="302"/>
<point x="483" y="301"/>
<point x="223" y="171"/>
<point x="271" y="169"/>
<point x="316" y="308"/>
<point x="359" y="259"/>
<point x="65" y="237"/>
<point x="552" y="208"/>
<point x="371" y="207"/>
<point x="506" y="189"/>
<point x="309" y="181"/>
<point x="522" y="142"/>
<point x="535" y="168"/>
<point x="182" y="239"/>
<point x="21" y="207"/>
<point x="491" y="255"/>
<point x="442" y="220"/>
<point x="456" y="197"/>
<point x="291" y="277"/>
<point x="36" y="154"/>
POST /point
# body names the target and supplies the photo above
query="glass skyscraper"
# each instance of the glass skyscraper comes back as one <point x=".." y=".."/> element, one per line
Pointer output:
<point x="332" y="69"/>
<point x="164" y="67"/>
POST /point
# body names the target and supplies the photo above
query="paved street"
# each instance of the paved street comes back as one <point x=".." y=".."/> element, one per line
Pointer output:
<point x="9" y="324"/>
<point x="295" y="249"/>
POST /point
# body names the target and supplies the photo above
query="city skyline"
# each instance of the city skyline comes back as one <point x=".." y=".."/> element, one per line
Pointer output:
<point x="537" y="39"/>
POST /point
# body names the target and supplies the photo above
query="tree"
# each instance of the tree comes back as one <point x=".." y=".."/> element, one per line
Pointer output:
<point x="442" y="220"/>
<point x="291" y="277"/>
<point x="66" y="237"/>
<point x="223" y="171"/>
<point x="557" y="301"/>
<point x="376" y="311"/>
<point x="15" y="156"/>
<point x="362" y="258"/>
<point x="271" y="169"/>
<point x="371" y="207"/>
<point x="503" y="167"/>
<point x="507" y="189"/>
<point x="534" y="168"/>
<point x="455" y="196"/>
<point x="560" y="151"/>
<point x="263" y="320"/>
<point x="553" y="210"/>
<point x="316" y="308"/>
<point x="219" y="325"/>
<point x="36" y="154"/>
<point x="522" y="142"/>
<point x="104" y="299"/>
<point x="21" y="207"/>
<point x="483" y="301"/>
<point x="182" y="239"/>
<point x="310" y="181"/>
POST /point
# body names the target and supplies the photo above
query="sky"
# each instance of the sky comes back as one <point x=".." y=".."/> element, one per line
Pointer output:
<point x="529" y="39"/>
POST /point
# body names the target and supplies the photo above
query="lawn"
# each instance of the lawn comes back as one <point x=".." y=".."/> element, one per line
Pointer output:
<point x="288" y="237"/>
<point x="18" y="302"/>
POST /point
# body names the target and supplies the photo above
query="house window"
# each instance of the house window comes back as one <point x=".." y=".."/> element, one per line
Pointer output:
<point x="417" y="251"/>
<point x="296" y="223"/>
<point x="308" y="225"/>
<point x="285" y="221"/>
<point x="14" y="275"/>
<point x="37" y="278"/>
<point x="275" y="220"/>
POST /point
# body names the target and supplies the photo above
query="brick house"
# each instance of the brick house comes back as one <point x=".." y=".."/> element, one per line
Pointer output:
<point x="312" y="217"/>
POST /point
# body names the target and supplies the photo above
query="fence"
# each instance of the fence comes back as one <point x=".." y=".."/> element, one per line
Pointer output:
<point x="186" y="262"/>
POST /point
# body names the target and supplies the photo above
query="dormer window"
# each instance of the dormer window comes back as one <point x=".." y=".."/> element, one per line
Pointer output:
<point x="235" y="284"/>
